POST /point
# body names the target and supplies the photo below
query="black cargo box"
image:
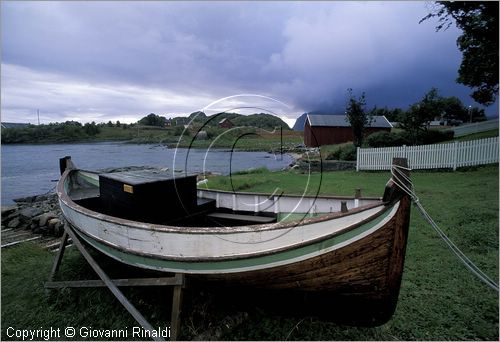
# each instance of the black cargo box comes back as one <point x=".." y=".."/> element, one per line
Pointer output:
<point x="148" y="195"/>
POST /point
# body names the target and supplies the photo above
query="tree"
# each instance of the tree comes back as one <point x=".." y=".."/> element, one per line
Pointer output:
<point x="478" y="21"/>
<point x="417" y="117"/>
<point x="390" y="114"/>
<point x="453" y="109"/>
<point x="91" y="128"/>
<point x="153" y="120"/>
<point x="357" y="116"/>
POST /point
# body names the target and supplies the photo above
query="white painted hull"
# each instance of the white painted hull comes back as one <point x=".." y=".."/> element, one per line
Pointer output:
<point x="358" y="255"/>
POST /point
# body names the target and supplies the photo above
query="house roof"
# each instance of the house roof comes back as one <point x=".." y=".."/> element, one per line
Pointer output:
<point x="341" y="121"/>
<point x="14" y="125"/>
<point x="224" y="120"/>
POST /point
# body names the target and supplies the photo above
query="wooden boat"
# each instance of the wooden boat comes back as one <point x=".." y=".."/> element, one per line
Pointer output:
<point x="342" y="250"/>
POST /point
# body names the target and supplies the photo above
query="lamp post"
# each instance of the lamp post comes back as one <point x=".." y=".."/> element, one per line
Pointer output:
<point x="470" y="113"/>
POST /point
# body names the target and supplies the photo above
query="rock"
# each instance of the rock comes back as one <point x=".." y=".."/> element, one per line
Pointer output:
<point x="40" y="198"/>
<point x="28" y="213"/>
<point x="52" y="222"/>
<point x="44" y="218"/>
<point x="9" y="209"/>
<point x="7" y="218"/>
<point x="58" y="229"/>
<point x="14" y="223"/>
<point x="28" y="199"/>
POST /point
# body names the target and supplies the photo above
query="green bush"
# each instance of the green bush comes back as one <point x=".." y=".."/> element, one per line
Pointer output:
<point x="348" y="153"/>
<point x="434" y="136"/>
<point x="386" y="139"/>
<point x="343" y="152"/>
<point x="257" y="170"/>
<point x="334" y="155"/>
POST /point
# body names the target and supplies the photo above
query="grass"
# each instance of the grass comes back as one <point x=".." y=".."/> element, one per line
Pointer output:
<point x="480" y="135"/>
<point x="439" y="298"/>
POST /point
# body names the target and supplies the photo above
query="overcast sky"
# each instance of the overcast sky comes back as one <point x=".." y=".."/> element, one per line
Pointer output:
<point x="100" y="61"/>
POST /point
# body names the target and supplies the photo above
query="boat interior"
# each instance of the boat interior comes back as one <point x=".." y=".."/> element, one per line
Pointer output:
<point x="158" y="198"/>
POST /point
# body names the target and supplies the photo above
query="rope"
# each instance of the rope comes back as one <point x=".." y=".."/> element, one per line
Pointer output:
<point x="398" y="176"/>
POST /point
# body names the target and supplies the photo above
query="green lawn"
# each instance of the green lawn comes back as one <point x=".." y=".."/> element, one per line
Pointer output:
<point x="439" y="299"/>
<point x="481" y="135"/>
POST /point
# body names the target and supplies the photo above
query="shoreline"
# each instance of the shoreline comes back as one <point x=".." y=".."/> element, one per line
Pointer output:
<point x="296" y="151"/>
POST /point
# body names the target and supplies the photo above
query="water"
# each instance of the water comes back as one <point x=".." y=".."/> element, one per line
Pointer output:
<point x="33" y="169"/>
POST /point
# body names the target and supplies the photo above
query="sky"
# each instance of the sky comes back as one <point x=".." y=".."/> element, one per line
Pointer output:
<point x="121" y="60"/>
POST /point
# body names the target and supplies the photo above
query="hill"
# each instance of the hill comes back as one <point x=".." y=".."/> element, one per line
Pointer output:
<point x="300" y="122"/>
<point x="260" y="120"/>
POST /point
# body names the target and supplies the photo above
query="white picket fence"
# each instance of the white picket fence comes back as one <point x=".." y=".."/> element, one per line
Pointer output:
<point x="438" y="156"/>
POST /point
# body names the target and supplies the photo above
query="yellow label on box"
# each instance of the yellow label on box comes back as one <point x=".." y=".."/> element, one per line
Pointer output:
<point x="128" y="188"/>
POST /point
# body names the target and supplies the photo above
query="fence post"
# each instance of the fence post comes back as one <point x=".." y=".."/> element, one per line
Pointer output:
<point x="455" y="155"/>
<point x="357" y="159"/>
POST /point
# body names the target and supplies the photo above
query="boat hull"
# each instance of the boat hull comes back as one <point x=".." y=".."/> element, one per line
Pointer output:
<point x="356" y="258"/>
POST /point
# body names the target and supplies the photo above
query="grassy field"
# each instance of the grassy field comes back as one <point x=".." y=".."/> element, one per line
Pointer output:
<point x="439" y="298"/>
<point x="481" y="135"/>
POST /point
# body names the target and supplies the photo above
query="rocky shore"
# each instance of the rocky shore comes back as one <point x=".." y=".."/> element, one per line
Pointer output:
<point x="34" y="215"/>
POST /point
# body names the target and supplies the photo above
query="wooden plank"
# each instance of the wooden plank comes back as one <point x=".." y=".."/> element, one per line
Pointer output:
<point x="112" y="287"/>
<point x="175" y="323"/>
<point x="167" y="281"/>
<point x="60" y="253"/>
<point x="67" y="246"/>
<point x="14" y="235"/>
<point x="50" y="246"/>
<point x="249" y="218"/>
<point x="10" y="244"/>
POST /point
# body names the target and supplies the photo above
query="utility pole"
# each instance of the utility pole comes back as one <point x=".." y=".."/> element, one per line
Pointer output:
<point x="38" y="114"/>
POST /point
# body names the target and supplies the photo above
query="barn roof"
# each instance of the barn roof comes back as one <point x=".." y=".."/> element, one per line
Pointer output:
<point x="341" y="121"/>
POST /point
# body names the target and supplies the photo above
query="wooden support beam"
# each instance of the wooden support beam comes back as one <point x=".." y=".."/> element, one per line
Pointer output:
<point x="112" y="287"/>
<point x="178" y="281"/>
<point x="176" y="308"/>
<point x="59" y="256"/>
<point x="168" y="281"/>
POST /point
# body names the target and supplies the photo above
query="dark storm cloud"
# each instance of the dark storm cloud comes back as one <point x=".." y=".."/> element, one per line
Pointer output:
<point x="120" y="60"/>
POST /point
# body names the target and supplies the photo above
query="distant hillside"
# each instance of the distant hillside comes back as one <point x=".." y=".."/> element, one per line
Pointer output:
<point x="299" y="123"/>
<point x="261" y="120"/>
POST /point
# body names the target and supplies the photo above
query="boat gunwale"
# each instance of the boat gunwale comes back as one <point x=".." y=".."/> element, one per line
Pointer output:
<point x="66" y="199"/>
<point x="243" y="256"/>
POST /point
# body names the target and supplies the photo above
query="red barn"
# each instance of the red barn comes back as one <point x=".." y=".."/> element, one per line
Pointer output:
<point x="226" y="123"/>
<point x="335" y="129"/>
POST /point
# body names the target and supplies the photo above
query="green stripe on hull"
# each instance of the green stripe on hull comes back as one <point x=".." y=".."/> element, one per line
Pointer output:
<point x="233" y="265"/>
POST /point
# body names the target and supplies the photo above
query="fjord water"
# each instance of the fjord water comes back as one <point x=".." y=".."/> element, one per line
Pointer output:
<point x="34" y="169"/>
